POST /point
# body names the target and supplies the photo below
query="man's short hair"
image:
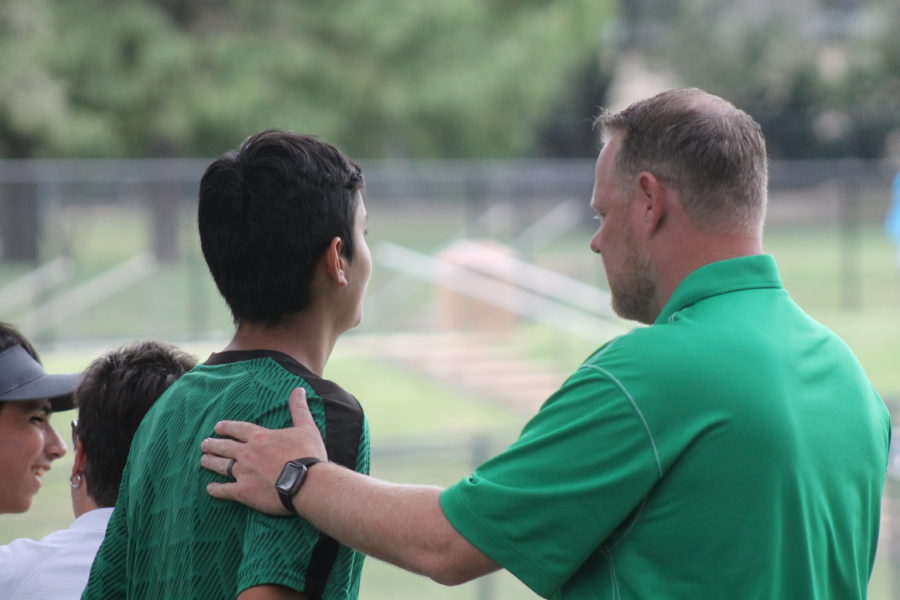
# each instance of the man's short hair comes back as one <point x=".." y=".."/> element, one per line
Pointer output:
<point x="267" y="213"/>
<point x="117" y="391"/>
<point x="712" y="153"/>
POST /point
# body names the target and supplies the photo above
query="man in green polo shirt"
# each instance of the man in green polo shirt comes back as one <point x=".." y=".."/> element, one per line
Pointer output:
<point x="282" y="226"/>
<point x="732" y="449"/>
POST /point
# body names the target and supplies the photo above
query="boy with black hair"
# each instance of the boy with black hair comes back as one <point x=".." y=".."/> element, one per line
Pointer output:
<point x="282" y="226"/>
<point x="117" y="391"/>
<point x="28" y="442"/>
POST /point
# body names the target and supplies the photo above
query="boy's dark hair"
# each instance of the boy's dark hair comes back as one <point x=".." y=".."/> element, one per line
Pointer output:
<point x="267" y="213"/>
<point x="10" y="336"/>
<point x="117" y="391"/>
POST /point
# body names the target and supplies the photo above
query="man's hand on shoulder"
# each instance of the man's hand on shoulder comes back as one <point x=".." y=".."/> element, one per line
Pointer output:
<point x="256" y="456"/>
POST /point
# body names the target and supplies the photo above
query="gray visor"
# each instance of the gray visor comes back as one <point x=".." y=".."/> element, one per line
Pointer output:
<point x="23" y="378"/>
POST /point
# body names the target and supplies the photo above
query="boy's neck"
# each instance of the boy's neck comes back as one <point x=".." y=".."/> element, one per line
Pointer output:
<point x="304" y="340"/>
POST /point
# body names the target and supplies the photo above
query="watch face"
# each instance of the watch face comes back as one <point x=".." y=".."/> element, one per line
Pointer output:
<point x="291" y="477"/>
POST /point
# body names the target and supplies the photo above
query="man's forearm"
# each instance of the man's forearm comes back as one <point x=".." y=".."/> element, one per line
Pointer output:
<point x="401" y="524"/>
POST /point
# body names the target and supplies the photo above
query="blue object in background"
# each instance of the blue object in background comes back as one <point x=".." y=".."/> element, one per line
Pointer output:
<point x="892" y="222"/>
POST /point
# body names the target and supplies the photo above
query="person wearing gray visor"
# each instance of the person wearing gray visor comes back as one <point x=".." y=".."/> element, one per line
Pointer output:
<point x="28" y="442"/>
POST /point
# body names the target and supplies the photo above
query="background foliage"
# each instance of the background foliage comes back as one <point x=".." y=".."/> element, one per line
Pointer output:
<point x="138" y="78"/>
<point x="404" y="79"/>
<point x="188" y="77"/>
<point x="821" y="77"/>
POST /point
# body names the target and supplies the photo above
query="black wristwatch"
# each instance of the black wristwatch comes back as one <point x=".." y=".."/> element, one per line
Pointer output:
<point x="291" y="478"/>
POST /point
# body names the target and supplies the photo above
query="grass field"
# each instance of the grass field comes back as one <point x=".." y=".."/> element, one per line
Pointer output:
<point x="179" y="303"/>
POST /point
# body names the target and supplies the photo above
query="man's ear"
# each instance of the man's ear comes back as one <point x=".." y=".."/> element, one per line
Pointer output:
<point x="334" y="262"/>
<point x="653" y="198"/>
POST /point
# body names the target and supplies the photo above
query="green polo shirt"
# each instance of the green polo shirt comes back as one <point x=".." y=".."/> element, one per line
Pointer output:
<point x="734" y="448"/>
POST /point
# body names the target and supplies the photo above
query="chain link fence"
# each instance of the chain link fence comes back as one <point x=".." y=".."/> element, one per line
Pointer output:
<point x="100" y="251"/>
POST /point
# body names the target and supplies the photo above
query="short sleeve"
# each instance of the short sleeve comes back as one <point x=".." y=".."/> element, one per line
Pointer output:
<point x="277" y="550"/>
<point x="577" y="471"/>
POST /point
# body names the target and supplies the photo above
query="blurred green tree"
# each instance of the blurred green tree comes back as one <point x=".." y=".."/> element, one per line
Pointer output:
<point x="394" y="78"/>
<point x="31" y="100"/>
<point x="31" y="107"/>
<point x="821" y="76"/>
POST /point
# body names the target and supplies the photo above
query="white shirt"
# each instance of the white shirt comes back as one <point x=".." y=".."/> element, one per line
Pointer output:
<point x="56" y="567"/>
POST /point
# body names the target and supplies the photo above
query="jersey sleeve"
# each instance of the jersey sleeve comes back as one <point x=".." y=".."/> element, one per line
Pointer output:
<point x="278" y="550"/>
<point x="580" y="467"/>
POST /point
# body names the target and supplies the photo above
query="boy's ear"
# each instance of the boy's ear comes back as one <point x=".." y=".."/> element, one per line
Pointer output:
<point x="334" y="262"/>
<point x="80" y="458"/>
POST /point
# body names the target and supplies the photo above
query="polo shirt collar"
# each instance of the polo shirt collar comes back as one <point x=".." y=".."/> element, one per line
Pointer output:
<point x="722" y="277"/>
<point x="93" y="519"/>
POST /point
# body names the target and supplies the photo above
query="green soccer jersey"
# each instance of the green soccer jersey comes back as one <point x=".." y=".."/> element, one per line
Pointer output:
<point x="168" y="538"/>
<point x="733" y="449"/>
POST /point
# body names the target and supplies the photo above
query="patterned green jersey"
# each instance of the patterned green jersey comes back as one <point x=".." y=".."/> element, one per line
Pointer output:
<point x="168" y="538"/>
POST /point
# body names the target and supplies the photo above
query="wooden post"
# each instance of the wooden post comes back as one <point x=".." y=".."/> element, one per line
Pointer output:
<point x="19" y="221"/>
<point x="164" y="202"/>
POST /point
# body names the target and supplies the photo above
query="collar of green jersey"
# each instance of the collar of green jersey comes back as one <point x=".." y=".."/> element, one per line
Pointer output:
<point x="722" y="277"/>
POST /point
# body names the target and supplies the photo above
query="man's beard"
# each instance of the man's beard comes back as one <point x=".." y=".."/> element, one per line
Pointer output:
<point x="633" y="298"/>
